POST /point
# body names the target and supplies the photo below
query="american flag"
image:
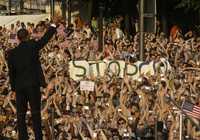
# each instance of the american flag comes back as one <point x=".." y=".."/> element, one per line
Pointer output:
<point x="191" y="109"/>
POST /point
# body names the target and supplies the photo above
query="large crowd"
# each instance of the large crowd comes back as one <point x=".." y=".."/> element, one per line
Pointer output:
<point x="118" y="108"/>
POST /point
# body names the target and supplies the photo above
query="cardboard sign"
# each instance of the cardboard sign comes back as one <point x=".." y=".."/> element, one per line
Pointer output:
<point x="87" y="86"/>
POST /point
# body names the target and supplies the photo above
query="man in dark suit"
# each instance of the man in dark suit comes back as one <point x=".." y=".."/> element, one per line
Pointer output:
<point x="26" y="78"/>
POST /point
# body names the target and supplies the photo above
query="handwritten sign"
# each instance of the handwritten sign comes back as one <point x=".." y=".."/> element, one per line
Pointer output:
<point x="78" y="69"/>
<point x="87" y="86"/>
<point x="119" y="68"/>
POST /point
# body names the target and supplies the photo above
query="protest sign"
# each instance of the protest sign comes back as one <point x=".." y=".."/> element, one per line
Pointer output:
<point x="78" y="69"/>
<point x="97" y="68"/>
<point x="81" y="69"/>
<point x="87" y="86"/>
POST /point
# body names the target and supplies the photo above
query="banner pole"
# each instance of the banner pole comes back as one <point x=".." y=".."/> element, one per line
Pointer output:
<point x="69" y="11"/>
<point x="52" y="8"/>
<point x="141" y="30"/>
<point x="64" y="8"/>
<point x="100" y="26"/>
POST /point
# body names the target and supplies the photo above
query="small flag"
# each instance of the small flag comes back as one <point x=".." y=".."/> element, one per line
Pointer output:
<point x="191" y="109"/>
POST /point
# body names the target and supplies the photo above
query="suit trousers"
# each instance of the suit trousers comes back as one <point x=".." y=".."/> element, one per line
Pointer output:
<point x="31" y="95"/>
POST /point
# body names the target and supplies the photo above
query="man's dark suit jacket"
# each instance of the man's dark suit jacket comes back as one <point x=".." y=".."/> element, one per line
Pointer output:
<point x="24" y="65"/>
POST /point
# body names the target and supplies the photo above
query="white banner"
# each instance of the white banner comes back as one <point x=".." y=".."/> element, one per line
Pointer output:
<point x="92" y="69"/>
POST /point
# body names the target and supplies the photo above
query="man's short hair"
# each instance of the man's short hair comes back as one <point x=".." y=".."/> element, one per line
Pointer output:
<point x="22" y="34"/>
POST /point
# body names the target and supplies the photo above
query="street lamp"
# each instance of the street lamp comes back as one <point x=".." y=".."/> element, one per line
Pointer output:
<point x="100" y="24"/>
<point x="141" y="30"/>
<point x="64" y="7"/>
<point x="52" y="7"/>
<point x="9" y="7"/>
<point x="21" y="5"/>
<point x="69" y="11"/>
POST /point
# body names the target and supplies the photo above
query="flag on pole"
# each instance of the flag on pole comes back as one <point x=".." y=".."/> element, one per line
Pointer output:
<point x="191" y="109"/>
